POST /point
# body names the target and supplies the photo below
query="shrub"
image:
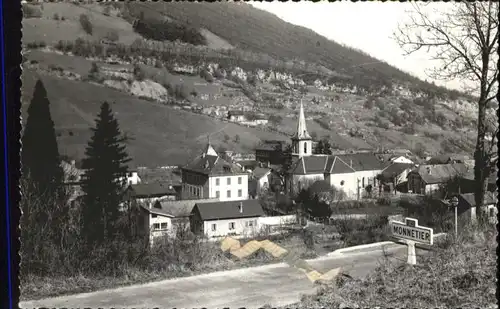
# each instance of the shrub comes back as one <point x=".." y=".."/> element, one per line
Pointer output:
<point x="30" y="11"/>
<point x="206" y="75"/>
<point x="36" y="44"/>
<point x="355" y="232"/>
<point x="86" y="24"/>
<point x="139" y="73"/>
<point x="112" y="36"/>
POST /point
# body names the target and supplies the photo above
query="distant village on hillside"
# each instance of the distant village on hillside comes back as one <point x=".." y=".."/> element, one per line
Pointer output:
<point x="218" y="194"/>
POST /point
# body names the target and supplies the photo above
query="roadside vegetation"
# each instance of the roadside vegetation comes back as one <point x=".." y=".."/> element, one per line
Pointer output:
<point x="459" y="273"/>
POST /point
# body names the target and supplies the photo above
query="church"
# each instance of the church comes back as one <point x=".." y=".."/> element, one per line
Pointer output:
<point x="350" y="173"/>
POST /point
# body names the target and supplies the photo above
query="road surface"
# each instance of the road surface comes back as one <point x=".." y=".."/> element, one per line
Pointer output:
<point x="275" y="285"/>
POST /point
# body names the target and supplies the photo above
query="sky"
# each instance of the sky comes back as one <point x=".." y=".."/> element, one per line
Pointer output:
<point x="367" y="26"/>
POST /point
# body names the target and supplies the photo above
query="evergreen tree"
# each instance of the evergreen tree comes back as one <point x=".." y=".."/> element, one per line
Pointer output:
<point x="40" y="155"/>
<point x="105" y="170"/>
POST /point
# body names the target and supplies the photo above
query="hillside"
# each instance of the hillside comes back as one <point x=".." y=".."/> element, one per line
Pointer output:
<point x="160" y="135"/>
<point x="251" y="29"/>
<point x="187" y="90"/>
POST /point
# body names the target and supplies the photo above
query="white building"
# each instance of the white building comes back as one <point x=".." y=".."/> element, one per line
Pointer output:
<point x="350" y="173"/>
<point x="210" y="176"/>
<point x="163" y="218"/>
<point x="229" y="218"/>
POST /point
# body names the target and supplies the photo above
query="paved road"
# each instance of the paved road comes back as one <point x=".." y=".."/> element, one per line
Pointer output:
<point x="276" y="285"/>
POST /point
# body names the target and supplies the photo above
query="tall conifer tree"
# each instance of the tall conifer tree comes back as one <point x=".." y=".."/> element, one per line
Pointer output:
<point x="40" y="158"/>
<point x="105" y="170"/>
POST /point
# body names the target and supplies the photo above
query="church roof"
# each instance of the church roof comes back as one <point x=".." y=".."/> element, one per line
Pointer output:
<point x="301" y="126"/>
<point x="320" y="164"/>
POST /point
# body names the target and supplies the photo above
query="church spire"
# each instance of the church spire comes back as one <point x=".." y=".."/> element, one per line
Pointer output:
<point x="209" y="150"/>
<point x="301" y="126"/>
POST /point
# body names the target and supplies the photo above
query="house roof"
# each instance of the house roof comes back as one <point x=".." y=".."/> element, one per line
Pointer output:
<point x="260" y="172"/>
<point x="309" y="165"/>
<point x="395" y="169"/>
<point x="489" y="198"/>
<point x="236" y="113"/>
<point x="363" y="161"/>
<point x="492" y="179"/>
<point x="229" y="210"/>
<point x="447" y="158"/>
<point x="432" y="174"/>
<point x="180" y="208"/>
<point x="213" y="165"/>
<point x="152" y="189"/>
<point x="335" y="164"/>
<point x="270" y="145"/>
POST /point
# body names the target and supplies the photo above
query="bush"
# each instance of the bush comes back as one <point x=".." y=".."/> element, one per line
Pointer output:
<point x="139" y="73"/>
<point x="355" y="232"/>
<point x="206" y="75"/>
<point x="86" y="24"/>
<point x="36" y="44"/>
<point x="30" y="11"/>
<point x="112" y="36"/>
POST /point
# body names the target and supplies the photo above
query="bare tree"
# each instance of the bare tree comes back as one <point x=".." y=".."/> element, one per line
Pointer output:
<point x="463" y="38"/>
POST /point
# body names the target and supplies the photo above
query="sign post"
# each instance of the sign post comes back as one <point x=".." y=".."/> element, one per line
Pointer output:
<point x="411" y="233"/>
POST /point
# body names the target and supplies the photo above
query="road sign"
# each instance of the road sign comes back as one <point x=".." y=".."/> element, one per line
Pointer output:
<point x="410" y="230"/>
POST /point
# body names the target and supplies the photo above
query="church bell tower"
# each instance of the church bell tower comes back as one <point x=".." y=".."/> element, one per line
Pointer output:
<point x="301" y="140"/>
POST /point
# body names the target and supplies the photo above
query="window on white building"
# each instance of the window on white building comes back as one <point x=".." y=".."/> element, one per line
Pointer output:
<point x="228" y="181"/>
<point x="249" y="223"/>
<point x="217" y="181"/>
<point x="239" y="180"/>
<point x="154" y="216"/>
<point x="342" y="183"/>
<point x="492" y="212"/>
<point x="228" y="193"/>
<point x="240" y="193"/>
<point x="305" y="148"/>
<point x="217" y="194"/>
<point x="156" y="226"/>
<point x="231" y="225"/>
<point x="163" y="226"/>
<point x="363" y="182"/>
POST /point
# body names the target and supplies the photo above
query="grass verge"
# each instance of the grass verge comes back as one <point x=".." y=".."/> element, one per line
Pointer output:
<point x="459" y="274"/>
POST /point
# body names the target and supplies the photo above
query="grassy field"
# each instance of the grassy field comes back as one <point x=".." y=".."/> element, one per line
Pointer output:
<point x="160" y="134"/>
<point x="51" y="31"/>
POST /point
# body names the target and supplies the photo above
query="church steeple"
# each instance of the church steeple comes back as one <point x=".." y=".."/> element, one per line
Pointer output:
<point x="301" y="140"/>
<point x="209" y="150"/>
<point x="301" y="125"/>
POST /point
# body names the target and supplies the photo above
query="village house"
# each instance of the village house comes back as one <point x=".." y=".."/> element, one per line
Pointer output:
<point x="351" y="173"/>
<point x="467" y="211"/>
<point x="447" y="159"/>
<point x="149" y="193"/>
<point x="165" y="218"/>
<point x="269" y="152"/>
<point x="229" y="218"/>
<point x="396" y="175"/>
<point x="428" y="179"/>
<point x="259" y="179"/>
<point x="211" y="176"/>
<point x="236" y="116"/>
